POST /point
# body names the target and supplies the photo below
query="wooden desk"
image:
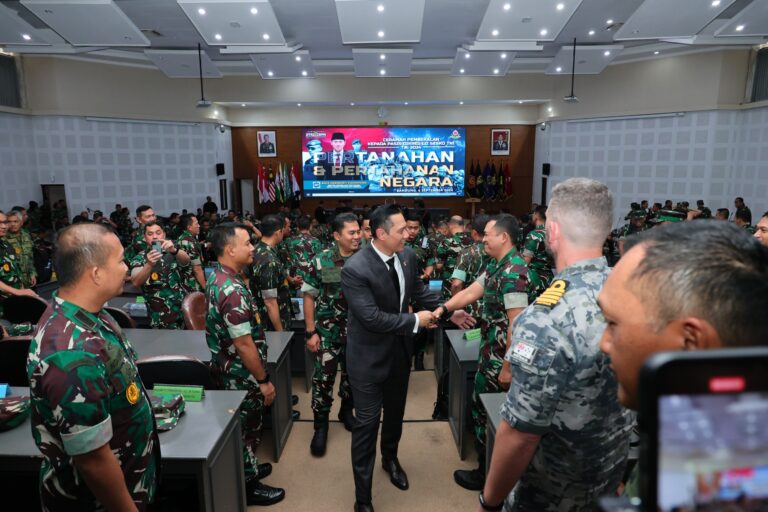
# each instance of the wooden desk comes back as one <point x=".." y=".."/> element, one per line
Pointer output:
<point x="492" y="403"/>
<point x="462" y="367"/>
<point x="206" y="444"/>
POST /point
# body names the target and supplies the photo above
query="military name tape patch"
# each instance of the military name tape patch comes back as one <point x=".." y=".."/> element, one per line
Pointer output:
<point x="132" y="393"/>
<point x="552" y="295"/>
<point x="523" y="352"/>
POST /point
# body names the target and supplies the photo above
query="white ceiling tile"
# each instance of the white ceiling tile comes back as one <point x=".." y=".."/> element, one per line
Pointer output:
<point x="13" y="28"/>
<point x="361" y="21"/>
<point x="753" y="21"/>
<point x="368" y="62"/>
<point x="88" y="22"/>
<point x="590" y="60"/>
<point x="588" y="23"/>
<point x="481" y="63"/>
<point x="525" y="20"/>
<point x="283" y="65"/>
<point x="183" y="63"/>
<point x="234" y="22"/>
<point x="665" y="19"/>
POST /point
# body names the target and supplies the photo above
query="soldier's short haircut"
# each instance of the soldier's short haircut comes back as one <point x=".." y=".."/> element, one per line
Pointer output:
<point x="441" y="223"/>
<point x="304" y="221"/>
<point x="413" y="216"/>
<point x="381" y="217"/>
<point x="15" y="213"/>
<point x="341" y="219"/>
<point x="710" y="270"/>
<point x="141" y="209"/>
<point x="584" y="210"/>
<point x="744" y="215"/>
<point x="724" y="211"/>
<point x="223" y="235"/>
<point x="150" y="224"/>
<point x="271" y="224"/>
<point x="479" y="222"/>
<point x="506" y="223"/>
<point x="78" y="248"/>
<point x="456" y="220"/>
<point x="541" y="211"/>
<point x="186" y="220"/>
<point x="765" y="215"/>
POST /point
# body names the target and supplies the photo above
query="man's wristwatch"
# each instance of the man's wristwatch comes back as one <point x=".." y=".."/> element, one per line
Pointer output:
<point x="309" y="334"/>
<point x="490" y="508"/>
<point x="445" y="315"/>
<point x="265" y="380"/>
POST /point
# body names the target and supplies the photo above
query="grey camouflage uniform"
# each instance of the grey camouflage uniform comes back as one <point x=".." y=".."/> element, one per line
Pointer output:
<point x="563" y="390"/>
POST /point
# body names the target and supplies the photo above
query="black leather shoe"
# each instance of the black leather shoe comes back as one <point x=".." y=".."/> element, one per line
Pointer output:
<point x="295" y="415"/>
<point x="263" y="470"/>
<point x="396" y="474"/>
<point x="262" y="495"/>
<point x="363" y="507"/>
<point x="320" y="437"/>
<point x="346" y="416"/>
<point x="294" y="399"/>
<point x="473" y="480"/>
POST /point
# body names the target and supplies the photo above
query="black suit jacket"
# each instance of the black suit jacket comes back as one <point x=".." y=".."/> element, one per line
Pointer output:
<point x="376" y="322"/>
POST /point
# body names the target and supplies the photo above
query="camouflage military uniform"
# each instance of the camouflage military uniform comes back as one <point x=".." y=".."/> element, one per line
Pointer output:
<point x="86" y="391"/>
<point x="323" y="282"/>
<point x="231" y="314"/>
<point x="136" y="246"/>
<point x="124" y="226"/>
<point x="192" y="247"/>
<point x="507" y="284"/>
<point x="434" y="240"/>
<point x="470" y="264"/>
<point x="22" y="244"/>
<point x="163" y="291"/>
<point x="10" y="273"/>
<point x="424" y="256"/>
<point x="749" y="228"/>
<point x="563" y="389"/>
<point x="706" y="213"/>
<point x="447" y="253"/>
<point x="535" y="248"/>
<point x="269" y="280"/>
<point x="301" y="249"/>
<point x="323" y="233"/>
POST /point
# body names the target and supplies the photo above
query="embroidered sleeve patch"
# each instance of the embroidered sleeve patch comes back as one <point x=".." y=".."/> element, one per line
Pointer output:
<point x="523" y="352"/>
<point x="552" y="295"/>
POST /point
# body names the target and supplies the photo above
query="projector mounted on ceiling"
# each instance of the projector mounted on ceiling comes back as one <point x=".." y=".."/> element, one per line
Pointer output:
<point x="203" y="103"/>
<point x="571" y="98"/>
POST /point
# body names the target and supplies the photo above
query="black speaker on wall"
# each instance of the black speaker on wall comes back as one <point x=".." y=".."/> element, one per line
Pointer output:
<point x="219" y="169"/>
<point x="545" y="168"/>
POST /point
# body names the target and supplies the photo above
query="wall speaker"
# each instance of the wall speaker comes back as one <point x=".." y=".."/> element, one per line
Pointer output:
<point x="545" y="168"/>
<point x="220" y="169"/>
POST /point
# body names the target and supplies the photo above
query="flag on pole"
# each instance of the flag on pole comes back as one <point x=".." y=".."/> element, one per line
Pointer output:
<point x="271" y="193"/>
<point x="294" y="181"/>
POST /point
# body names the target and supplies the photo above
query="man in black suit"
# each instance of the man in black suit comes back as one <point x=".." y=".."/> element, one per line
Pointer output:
<point x="379" y="282"/>
<point x="339" y="164"/>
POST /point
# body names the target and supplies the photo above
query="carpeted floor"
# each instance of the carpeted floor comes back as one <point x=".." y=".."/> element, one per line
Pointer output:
<point x="427" y="453"/>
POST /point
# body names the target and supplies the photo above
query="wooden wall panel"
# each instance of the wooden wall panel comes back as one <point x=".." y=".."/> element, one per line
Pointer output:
<point x="520" y="160"/>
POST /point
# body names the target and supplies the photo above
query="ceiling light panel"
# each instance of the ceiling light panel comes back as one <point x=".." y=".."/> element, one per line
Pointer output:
<point x="182" y="63"/>
<point x="284" y="65"/>
<point x="590" y="60"/>
<point x="481" y="63"/>
<point x="368" y="62"/>
<point x="361" y="22"/>
<point x="754" y="19"/>
<point x="592" y="15"/>
<point x="88" y="22"/>
<point x="234" y="22"/>
<point x="655" y="19"/>
<point x="13" y="29"/>
<point x="525" y="20"/>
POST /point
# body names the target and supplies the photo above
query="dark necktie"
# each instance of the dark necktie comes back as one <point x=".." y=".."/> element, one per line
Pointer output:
<point x="395" y="279"/>
<point x="338" y="161"/>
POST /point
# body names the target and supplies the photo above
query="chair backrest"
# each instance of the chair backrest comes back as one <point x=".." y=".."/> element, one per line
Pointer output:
<point x="13" y="360"/>
<point x="122" y="318"/>
<point x="23" y="308"/>
<point x="174" y="369"/>
<point x="194" y="308"/>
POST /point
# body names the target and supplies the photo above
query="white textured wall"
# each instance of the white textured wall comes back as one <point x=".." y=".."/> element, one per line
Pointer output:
<point x="710" y="155"/>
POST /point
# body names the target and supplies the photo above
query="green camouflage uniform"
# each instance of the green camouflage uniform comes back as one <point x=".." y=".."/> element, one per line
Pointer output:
<point x="301" y="249"/>
<point x="10" y="273"/>
<point x="163" y="291"/>
<point x="745" y="209"/>
<point x="189" y="244"/>
<point x="323" y="282"/>
<point x="434" y="240"/>
<point x="138" y="245"/>
<point x="447" y="253"/>
<point x="25" y="255"/>
<point x="507" y="284"/>
<point x="706" y="213"/>
<point x="564" y="390"/>
<point x="535" y="248"/>
<point x="86" y="392"/>
<point x="323" y="233"/>
<point x="124" y="226"/>
<point x="59" y="217"/>
<point x="425" y="257"/>
<point x="470" y="264"/>
<point x="750" y="228"/>
<point x="231" y="314"/>
<point x="269" y="281"/>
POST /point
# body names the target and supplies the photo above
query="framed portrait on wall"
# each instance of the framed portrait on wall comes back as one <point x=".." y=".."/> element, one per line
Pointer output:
<point x="267" y="144"/>
<point x="499" y="142"/>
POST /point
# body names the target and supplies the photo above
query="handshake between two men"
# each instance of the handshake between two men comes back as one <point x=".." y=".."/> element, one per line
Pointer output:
<point x="460" y="318"/>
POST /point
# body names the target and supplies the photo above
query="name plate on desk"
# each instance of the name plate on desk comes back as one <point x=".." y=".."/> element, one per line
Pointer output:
<point x="190" y="393"/>
<point x="473" y="335"/>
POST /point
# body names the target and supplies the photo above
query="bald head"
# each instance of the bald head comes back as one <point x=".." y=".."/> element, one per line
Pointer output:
<point x="78" y="248"/>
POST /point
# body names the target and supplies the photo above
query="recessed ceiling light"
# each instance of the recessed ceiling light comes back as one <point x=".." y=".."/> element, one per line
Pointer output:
<point x="461" y="103"/>
<point x="269" y="73"/>
<point x="381" y="33"/>
<point x="494" y="32"/>
<point x="215" y="112"/>
<point x="26" y="37"/>
<point x="380" y="7"/>
<point x="606" y="53"/>
<point x="242" y="104"/>
<point x="382" y="57"/>
<point x="558" y="69"/>
<point x="549" y="110"/>
<point x="520" y="102"/>
<point x="715" y="3"/>
<point x="466" y="55"/>
<point x="739" y="28"/>
<point x="201" y="11"/>
<point x="254" y="10"/>
<point x="496" y="71"/>
<point x="503" y="55"/>
<point x="298" y="104"/>
<point x="265" y="37"/>
<point x="461" y="70"/>
<point x="405" y="103"/>
<point x="507" y="7"/>
<point x="560" y="7"/>
<point x="382" y="71"/>
<point x="304" y="73"/>
<point x="609" y="22"/>
<point x="591" y="32"/>
<point x="217" y="37"/>
<point x="298" y="58"/>
<point x="352" y="104"/>
<point x="656" y="53"/>
<point x="544" y="32"/>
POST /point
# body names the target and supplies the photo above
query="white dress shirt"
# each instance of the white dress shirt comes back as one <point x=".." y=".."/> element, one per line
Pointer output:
<point x="400" y="278"/>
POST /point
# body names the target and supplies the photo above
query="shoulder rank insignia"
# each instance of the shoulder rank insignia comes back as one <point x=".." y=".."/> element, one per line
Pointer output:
<point x="552" y="295"/>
